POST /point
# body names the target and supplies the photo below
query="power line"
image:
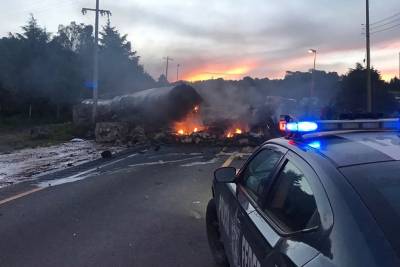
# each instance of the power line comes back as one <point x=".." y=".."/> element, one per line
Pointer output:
<point x="387" y="29"/>
<point x="378" y="28"/>
<point x="385" y="19"/>
<point x="385" y="24"/>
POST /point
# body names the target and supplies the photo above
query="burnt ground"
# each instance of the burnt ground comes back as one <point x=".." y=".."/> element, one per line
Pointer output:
<point x="144" y="208"/>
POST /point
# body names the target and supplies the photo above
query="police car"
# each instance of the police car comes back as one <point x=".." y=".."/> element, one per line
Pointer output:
<point x="326" y="195"/>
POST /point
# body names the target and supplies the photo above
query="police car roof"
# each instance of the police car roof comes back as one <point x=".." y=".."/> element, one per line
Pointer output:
<point x="352" y="148"/>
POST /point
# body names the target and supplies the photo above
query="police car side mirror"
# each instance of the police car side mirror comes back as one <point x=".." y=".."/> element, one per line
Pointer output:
<point x="225" y="175"/>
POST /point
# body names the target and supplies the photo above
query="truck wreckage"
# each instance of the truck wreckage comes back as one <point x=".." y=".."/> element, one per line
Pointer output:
<point x="176" y="114"/>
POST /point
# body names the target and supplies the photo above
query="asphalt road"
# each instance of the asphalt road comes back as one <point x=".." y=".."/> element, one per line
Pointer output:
<point x="144" y="209"/>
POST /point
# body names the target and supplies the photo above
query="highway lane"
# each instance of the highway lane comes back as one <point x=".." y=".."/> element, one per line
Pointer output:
<point x="146" y="209"/>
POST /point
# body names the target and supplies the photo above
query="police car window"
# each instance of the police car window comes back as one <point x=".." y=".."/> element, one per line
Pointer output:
<point x="257" y="172"/>
<point x="291" y="201"/>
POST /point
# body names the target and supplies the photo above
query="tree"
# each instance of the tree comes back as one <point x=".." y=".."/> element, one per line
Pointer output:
<point x="79" y="39"/>
<point x="352" y="96"/>
<point x="120" y="71"/>
<point x="46" y="73"/>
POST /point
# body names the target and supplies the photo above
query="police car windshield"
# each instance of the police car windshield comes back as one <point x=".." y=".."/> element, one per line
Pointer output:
<point x="379" y="187"/>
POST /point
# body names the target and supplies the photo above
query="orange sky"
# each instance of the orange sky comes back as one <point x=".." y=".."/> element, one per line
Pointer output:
<point x="235" y="71"/>
<point x="385" y="59"/>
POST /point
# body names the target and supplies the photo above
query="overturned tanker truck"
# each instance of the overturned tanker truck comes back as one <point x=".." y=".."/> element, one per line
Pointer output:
<point x="124" y="118"/>
<point x="152" y="108"/>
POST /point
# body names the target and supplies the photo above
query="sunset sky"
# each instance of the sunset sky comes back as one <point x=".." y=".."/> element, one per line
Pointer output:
<point x="232" y="38"/>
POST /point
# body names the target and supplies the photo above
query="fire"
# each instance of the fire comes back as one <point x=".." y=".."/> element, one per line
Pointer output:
<point x="236" y="130"/>
<point x="229" y="135"/>
<point x="192" y="123"/>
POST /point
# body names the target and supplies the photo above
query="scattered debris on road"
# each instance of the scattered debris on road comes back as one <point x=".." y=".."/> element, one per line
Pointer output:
<point x="27" y="164"/>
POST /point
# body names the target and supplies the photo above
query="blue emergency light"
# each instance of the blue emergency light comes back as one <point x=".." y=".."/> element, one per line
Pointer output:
<point x="296" y="129"/>
<point x="302" y="126"/>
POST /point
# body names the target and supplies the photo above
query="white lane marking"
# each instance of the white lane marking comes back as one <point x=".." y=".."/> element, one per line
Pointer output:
<point x="176" y="154"/>
<point x="191" y="164"/>
<point x="161" y="162"/>
<point x="78" y="176"/>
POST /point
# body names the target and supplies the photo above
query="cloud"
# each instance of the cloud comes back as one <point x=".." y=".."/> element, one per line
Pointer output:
<point x="273" y="35"/>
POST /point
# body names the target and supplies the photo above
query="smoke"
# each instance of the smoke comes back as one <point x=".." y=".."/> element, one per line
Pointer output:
<point x="238" y="103"/>
<point x="249" y="104"/>
<point x="257" y="102"/>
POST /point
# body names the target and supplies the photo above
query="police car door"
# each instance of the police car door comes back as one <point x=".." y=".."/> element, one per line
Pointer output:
<point x="253" y="180"/>
<point x="284" y="229"/>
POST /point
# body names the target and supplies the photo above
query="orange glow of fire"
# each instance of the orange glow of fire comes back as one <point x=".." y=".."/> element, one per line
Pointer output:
<point x="192" y="123"/>
<point x="236" y="130"/>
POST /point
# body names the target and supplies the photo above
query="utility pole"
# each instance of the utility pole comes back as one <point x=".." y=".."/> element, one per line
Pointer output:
<point x="95" y="81"/>
<point x="177" y="72"/>
<point x="368" y="46"/>
<point x="168" y="59"/>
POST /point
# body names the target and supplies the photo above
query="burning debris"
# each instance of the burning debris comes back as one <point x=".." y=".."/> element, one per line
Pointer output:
<point x="177" y="114"/>
<point x="192" y="123"/>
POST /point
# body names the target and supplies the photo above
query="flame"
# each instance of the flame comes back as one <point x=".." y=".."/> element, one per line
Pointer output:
<point x="236" y="130"/>
<point x="192" y="123"/>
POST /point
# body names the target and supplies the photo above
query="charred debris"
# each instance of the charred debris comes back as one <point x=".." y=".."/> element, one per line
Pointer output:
<point x="177" y="114"/>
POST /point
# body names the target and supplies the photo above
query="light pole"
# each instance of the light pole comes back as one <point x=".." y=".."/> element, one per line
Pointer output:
<point x="167" y="59"/>
<point x="177" y="71"/>
<point x="313" y="51"/>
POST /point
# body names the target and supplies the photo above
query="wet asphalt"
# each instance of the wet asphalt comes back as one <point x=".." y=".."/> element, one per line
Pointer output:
<point x="144" y="209"/>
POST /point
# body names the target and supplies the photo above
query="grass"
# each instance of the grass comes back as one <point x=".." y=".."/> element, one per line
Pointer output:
<point x="13" y="137"/>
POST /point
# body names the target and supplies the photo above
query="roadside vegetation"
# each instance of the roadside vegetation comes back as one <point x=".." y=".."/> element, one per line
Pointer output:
<point x="14" y="137"/>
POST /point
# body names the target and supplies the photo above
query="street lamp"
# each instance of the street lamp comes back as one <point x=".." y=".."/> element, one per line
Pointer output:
<point x="313" y="51"/>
